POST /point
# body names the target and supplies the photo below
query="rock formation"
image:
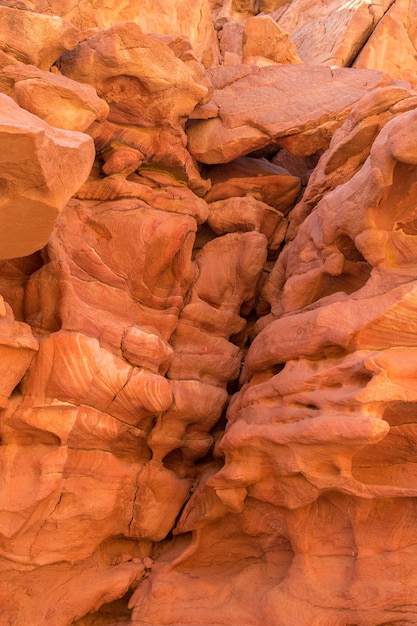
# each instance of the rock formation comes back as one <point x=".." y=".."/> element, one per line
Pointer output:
<point x="207" y="313"/>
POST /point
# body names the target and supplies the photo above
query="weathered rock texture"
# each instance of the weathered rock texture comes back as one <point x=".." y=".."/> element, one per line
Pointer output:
<point x="208" y="286"/>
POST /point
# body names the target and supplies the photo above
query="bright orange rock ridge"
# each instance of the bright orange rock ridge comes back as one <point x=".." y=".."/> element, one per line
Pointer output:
<point x="208" y="292"/>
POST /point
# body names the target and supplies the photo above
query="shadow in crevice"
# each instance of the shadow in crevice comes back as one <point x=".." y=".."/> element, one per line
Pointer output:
<point x="115" y="613"/>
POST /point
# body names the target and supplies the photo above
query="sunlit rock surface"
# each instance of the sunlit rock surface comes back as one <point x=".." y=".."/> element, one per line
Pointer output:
<point x="331" y="32"/>
<point x="262" y="106"/>
<point x="208" y="286"/>
<point x="392" y="44"/>
<point x="191" y="19"/>
<point x="40" y="168"/>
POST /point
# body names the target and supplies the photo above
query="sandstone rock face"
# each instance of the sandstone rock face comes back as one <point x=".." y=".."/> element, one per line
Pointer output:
<point x="175" y="16"/>
<point x="207" y="313"/>
<point x="331" y="33"/>
<point x="54" y="163"/>
<point x="61" y="102"/>
<point x="152" y="75"/>
<point x="256" y="41"/>
<point x="262" y="37"/>
<point x="392" y="44"/>
<point x="32" y="38"/>
<point x="148" y="104"/>
<point x="263" y="106"/>
<point x="253" y="178"/>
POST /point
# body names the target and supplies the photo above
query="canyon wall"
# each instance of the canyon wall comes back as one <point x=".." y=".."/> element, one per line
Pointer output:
<point x="208" y="295"/>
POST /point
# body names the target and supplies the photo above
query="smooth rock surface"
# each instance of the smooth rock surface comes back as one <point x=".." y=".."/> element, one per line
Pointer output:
<point x="59" y="101"/>
<point x="393" y="43"/>
<point x="55" y="163"/>
<point x="262" y="37"/>
<point x="332" y="32"/>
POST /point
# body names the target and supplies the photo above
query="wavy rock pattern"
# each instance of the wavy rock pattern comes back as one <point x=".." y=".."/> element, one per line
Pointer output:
<point x="207" y="313"/>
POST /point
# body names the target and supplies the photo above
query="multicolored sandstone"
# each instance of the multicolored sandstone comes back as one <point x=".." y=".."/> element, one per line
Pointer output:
<point x="207" y="313"/>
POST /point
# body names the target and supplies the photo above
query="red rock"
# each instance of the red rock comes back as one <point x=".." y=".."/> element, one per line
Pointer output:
<point x="204" y="413"/>
<point x="257" y="178"/>
<point x="203" y="357"/>
<point x="142" y="347"/>
<point x="258" y="41"/>
<point x="231" y="40"/>
<point x="33" y="38"/>
<point x="155" y="87"/>
<point x="331" y="32"/>
<point x="351" y="145"/>
<point x="65" y="582"/>
<point x="392" y="44"/>
<point x="183" y="50"/>
<point x="14" y="274"/>
<point x="175" y="16"/>
<point x="52" y="174"/>
<point x="246" y="214"/>
<point x="159" y="497"/>
<point x="59" y="101"/>
<point x="150" y="281"/>
<point x="266" y="108"/>
<point x="186" y="425"/>
<point x="229" y="269"/>
<point x="104" y="381"/>
<point x="164" y="160"/>
<point x="262" y="37"/>
<point x="18" y="347"/>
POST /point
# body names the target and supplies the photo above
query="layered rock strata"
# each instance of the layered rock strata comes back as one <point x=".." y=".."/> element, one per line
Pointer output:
<point x="207" y="329"/>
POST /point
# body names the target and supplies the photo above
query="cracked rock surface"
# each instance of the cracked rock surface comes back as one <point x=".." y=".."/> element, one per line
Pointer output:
<point x="208" y="287"/>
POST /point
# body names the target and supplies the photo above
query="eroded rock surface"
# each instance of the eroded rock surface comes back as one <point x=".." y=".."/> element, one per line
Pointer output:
<point x="264" y="107"/>
<point x="331" y="33"/>
<point x="41" y="167"/>
<point x="175" y="16"/>
<point x="207" y="313"/>
<point x="392" y="44"/>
